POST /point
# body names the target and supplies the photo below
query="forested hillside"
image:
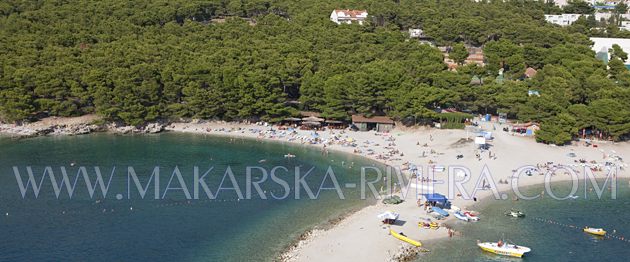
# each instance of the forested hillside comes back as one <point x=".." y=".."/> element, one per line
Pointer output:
<point x="138" y="61"/>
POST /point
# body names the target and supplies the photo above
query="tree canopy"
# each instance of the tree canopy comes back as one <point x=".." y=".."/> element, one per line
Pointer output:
<point x="144" y="60"/>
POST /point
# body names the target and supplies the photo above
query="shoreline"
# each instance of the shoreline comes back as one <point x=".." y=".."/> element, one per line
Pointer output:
<point x="357" y="232"/>
<point x="306" y="240"/>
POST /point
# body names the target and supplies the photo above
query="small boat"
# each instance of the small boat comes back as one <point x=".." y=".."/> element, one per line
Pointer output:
<point x="471" y="216"/>
<point x="504" y="249"/>
<point x="460" y="216"/>
<point x="439" y="211"/>
<point x="595" y="231"/>
<point x="404" y="238"/>
<point x="289" y="156"/>
<point x="515" y="213"/>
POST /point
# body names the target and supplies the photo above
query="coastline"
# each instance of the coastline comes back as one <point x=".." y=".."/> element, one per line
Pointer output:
<point x="358" y="235"/>
<point x="380" y="246"/>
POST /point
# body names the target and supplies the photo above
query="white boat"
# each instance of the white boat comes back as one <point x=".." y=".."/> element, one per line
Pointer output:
<point x="595" y="231"/>
<point x="289" y="156"/>
<point x="460" y="216"/>
<point x="515" y="213"/>
<point x="504" y="249"/>
<point x="471" y="216"/>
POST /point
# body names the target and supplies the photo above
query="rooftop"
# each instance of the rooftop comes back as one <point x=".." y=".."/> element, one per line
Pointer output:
<point x="374" y="119"/>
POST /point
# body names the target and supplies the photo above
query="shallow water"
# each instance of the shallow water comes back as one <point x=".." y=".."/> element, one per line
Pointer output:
<point x="171" y="228"/>
<point x="551" y="228"/>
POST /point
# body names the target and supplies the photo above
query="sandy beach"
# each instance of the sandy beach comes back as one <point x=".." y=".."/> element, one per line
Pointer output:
<point x="361" y="236"/>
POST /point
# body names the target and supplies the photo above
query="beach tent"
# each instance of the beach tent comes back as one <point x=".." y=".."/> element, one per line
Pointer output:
<point x="436" y="197"/>
<point x="388" y="217"/>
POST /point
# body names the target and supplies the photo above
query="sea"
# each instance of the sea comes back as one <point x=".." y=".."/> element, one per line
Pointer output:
<point x="551" y="228"/>
<point x="134" y="221"/>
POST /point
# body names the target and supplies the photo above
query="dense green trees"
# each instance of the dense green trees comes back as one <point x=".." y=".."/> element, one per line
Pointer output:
<point x="147" y="60"/>
<point x="459" y="53"/>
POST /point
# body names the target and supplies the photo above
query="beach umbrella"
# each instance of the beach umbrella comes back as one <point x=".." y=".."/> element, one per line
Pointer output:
<point x="313" y="119"/>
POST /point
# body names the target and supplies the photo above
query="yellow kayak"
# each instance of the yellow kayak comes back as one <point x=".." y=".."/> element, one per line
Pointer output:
<point x="595" y="231"/>
<point x="404" y="238"/>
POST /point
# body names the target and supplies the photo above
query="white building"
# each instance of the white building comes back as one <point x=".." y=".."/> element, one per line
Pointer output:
<point x="602" y="44"/>
<point x="348" y="16"/>
<point x="599" y="16"/>
<point x="415" y="33"/>
<point x="563" y="19"/>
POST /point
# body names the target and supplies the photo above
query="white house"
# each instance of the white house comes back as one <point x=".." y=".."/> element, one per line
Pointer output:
<point x="348" y="16"/>
<point x="563" y="19"/>
<point x="415" y="33"/>
<point x="601" y="46"/>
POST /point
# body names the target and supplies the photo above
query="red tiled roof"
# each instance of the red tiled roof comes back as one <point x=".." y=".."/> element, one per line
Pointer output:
<point x="530" y="72"/>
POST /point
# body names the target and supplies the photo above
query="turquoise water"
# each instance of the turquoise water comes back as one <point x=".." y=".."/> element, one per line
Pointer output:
<point x="551" y="228"/>
<point x="82" y="228"/>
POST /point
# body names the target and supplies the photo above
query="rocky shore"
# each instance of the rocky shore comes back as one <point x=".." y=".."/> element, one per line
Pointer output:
<point x="76" y="126"/>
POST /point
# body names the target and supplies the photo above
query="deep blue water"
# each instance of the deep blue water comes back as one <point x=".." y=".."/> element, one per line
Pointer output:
<point x="551" y="228"/>
<point x="84" y="228"/>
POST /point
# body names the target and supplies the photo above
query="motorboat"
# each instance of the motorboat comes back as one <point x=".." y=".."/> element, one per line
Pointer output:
<point x="595" y="231"/>
<point x="515" y="213"/>
<point x="471" y="216"/>
<point x="460" y="216"/>
<point x="504" y="249"/>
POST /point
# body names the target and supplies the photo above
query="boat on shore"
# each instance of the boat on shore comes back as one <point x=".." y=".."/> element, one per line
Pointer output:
<point x="460" y="216"/>
<point x="504" y="249"/>
<point x="404" y="238"/>
<point x="595" y="231"/>
<point x="471" y="216"/>
<point x="439" y="211"/>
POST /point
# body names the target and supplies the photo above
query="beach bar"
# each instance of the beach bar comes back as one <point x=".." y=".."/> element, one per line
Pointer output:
<point x="378" y="123"/>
